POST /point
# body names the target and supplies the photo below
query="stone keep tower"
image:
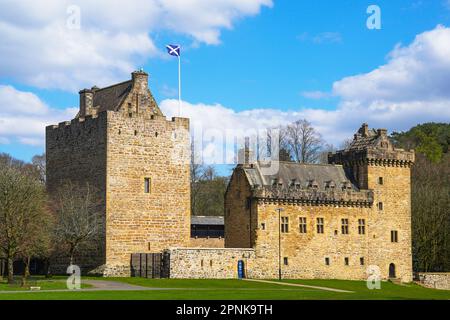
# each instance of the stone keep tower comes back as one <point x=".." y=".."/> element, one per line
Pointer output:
<point x="122" y="144"/>
<point x="376" y="165"/>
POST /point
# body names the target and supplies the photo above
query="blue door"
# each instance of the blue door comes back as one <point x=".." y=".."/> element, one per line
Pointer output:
<point x="241" y="270"/>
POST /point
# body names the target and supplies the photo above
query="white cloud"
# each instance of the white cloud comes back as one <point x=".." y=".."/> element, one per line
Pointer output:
<point x="23" y="117"/>
<point x="39" y="49"/>
<point x="418" y="72"/>
<point x="412" y="87"/>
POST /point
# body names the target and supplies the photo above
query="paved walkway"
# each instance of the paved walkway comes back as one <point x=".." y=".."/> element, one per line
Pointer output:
<point x="300" y="285"/>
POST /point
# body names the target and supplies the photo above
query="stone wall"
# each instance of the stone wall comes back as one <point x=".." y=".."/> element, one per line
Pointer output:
<point x="140" y="148"/>
<point x="207" y="243"/>
<point x="238" y="219"/>
<point x="115" y="150"/>
<point x="209" y="263"/>
<point x="76" y="151"/>
<point x="306" y="253"/>
<point x="435" y="280"/>
<point x="395" y="195"/>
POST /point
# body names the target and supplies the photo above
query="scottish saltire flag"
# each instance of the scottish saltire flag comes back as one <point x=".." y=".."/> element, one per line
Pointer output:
<point x="173" y="49"/>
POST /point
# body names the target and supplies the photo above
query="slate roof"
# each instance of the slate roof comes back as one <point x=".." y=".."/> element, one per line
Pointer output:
<point x="110" y="98"/>
<point x="320" y="176"/>
<point x="207" y="220"/>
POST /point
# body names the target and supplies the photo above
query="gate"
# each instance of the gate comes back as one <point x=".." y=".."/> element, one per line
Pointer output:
<point x="150" y="265"/>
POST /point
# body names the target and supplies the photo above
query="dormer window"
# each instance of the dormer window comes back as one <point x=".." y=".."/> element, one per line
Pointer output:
<point x="346" y="185"/>
<point x="293" y="182"/>
<point x="330" y="184"/>
<point x="313" y="184"/>
<point x="274" y="182"/>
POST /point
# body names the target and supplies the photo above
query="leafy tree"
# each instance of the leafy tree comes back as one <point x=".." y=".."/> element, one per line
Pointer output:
<point x="431" y="139"/>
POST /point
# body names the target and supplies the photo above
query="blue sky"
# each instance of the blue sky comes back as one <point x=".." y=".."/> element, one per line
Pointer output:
<point x="262" y="62"/>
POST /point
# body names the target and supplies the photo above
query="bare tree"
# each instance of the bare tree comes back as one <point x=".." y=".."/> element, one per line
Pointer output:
<point x="283" y="146"/>
<point x="304" y="142"/>
<point x="23" y="216"/>
<point x="78" y="217"/>
<point x="323" y="157"/>
<point x="346" y="144"/>
<point x="38" y="162"/>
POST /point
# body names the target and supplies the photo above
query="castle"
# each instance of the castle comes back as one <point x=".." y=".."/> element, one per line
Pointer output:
<point x="304" y="221"/>
<point x="122" y="144"/>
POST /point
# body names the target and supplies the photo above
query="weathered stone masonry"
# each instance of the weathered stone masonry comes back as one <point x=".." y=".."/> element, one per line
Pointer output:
<point x="118" y="139"/>
<point x="367" y="186"/>
<point x="337" y="219"/>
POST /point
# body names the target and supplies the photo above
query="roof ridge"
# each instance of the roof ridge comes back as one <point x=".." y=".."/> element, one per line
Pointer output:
<point x="113" y="85"/>
<point x="310" y="164"/>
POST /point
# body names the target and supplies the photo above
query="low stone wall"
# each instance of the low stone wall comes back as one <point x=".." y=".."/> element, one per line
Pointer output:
<point x="438" y="280"/>
<point x="207" y="243"/>
<point x="208" y="263"/>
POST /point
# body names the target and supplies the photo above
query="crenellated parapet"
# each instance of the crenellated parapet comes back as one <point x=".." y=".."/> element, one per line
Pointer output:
<point x="373" y="157"/>
<point x="372" y="147"/>
<point x="331" y="196"/>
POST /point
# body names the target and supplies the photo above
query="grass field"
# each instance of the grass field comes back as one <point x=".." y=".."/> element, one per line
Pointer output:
<point x="174" y="289"/>
<point x="44" y="284"/>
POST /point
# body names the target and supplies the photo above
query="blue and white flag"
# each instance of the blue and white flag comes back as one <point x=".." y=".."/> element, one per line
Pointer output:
<point x="173" y="49"/>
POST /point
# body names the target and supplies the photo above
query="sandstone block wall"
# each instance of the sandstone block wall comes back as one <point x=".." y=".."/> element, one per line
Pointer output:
<point x="435" y="280"/>
<point x="238" y="218"/>
<point x="140" y="148"/>
<point x="210" y="263"/>
<point x="395" y="194"/>
<point x="119" y="139"/>
<point x="76" y="151"/>
<point x="207" y="243"/>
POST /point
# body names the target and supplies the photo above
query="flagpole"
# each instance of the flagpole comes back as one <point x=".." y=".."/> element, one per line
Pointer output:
<point x="179" y="85"/>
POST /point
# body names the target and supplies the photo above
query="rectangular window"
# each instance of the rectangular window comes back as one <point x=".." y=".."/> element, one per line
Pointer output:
<point x="346" y="261"/>
<point x="380" y="180"/>
<point x="344" y="227"/>
<point x="361" y="226"/>
<point x="147" y="187"/>
<point x="319" y="225"/>
<point x="302" y="225"/>
<point x="380" y="206"/>
<point x="394" y="236"/>
<point x="285" y="260"/>
<point x="327" y="261"/>
<point x="361" y="261"/>
<point x="284" y="224"/>
<point x="263" y="226"/>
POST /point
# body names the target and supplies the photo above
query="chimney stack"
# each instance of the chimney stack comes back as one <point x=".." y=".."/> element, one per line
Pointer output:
<point x="382" y="132"/>
<point x="140" y="80"/>
<point x="86" y="102"/>
<point x="364" y="130"/>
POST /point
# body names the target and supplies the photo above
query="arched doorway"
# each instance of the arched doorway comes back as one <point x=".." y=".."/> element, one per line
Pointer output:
<point x="392" y="271"/>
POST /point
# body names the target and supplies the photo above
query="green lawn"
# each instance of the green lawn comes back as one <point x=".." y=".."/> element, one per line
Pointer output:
<point x="45" y="284"/>
<point x="178" y="289"/>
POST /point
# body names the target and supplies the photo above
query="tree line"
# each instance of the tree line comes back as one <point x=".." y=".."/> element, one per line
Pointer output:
<point x="34" y="224"/>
